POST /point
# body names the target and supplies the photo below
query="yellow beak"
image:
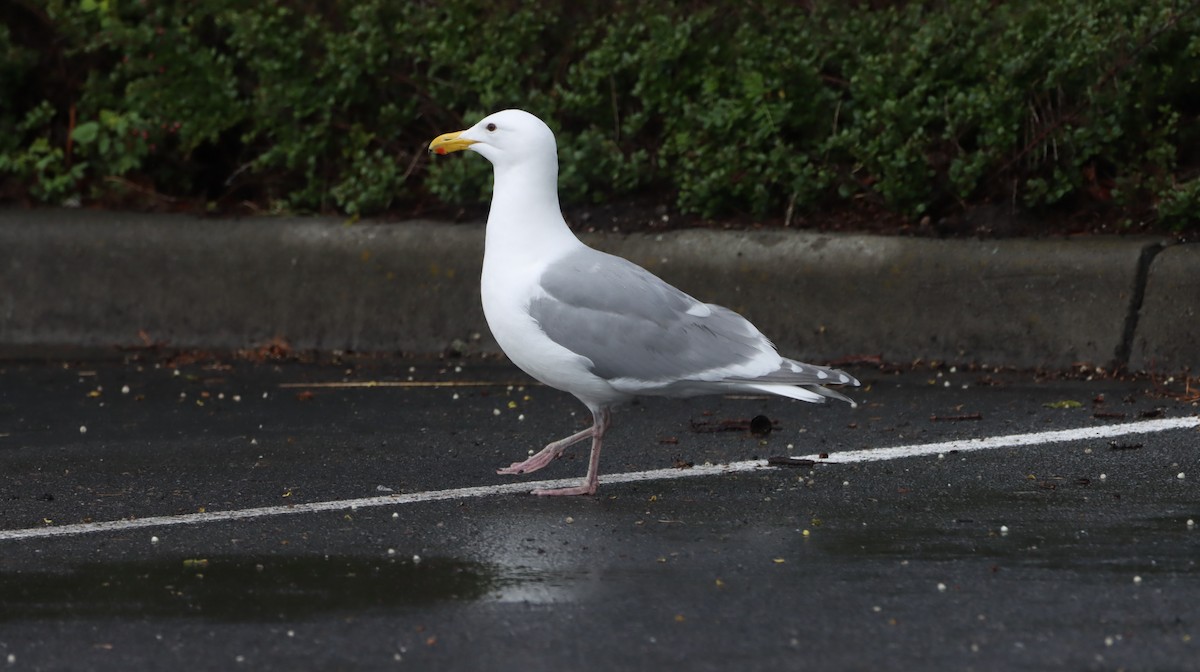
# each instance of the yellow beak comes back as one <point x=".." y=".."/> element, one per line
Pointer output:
<point x="450" y="142"/>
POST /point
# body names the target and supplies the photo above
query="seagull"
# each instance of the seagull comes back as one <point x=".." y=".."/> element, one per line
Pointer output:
<point x="596" y="325"/>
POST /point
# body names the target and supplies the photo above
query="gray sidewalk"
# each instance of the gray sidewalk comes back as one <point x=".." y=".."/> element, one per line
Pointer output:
<point x="98" y="280"/>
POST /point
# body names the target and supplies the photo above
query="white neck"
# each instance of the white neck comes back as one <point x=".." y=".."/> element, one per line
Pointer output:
<point x="525" y="220"/>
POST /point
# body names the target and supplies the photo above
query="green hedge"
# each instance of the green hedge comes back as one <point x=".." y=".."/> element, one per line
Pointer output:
<point x="920" y="108"/>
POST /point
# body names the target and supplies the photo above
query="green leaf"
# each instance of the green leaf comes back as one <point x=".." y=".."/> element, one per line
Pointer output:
<point x="85" y="133"/>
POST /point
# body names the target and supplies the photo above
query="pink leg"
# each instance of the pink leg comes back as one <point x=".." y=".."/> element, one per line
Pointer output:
<point x="600" y="423"/>
<point x="547" y="454"/>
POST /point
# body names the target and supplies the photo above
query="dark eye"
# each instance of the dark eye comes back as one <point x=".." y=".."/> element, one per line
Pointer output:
<point x="491" y="127"/>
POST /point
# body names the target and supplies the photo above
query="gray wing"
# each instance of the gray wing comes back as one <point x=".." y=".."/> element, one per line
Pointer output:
<point x="631" y="324"/>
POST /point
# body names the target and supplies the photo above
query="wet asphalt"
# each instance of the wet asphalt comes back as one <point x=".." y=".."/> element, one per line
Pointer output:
<point x="1071" y="556"/>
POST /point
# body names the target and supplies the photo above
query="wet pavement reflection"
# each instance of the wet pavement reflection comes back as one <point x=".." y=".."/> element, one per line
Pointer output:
<point x="233" y="588"/>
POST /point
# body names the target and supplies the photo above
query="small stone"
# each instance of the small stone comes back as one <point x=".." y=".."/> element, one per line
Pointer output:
<point x="1137" y="580"/>
<point x="941" y="587"/>
<point x="154" y="540"/>
<point x="124" y="389"/>
<point x="1179" y="475"/>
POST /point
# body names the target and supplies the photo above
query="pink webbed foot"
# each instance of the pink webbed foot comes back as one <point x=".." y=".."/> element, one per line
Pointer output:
<point x="534" y="463"/>
<point x="548" y="454"/>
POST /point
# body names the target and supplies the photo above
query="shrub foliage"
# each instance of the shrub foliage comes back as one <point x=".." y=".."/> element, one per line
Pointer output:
<point x="920" y="108"/>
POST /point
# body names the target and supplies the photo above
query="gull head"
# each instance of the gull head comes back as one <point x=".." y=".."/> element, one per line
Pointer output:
<point x="506" y="138"/>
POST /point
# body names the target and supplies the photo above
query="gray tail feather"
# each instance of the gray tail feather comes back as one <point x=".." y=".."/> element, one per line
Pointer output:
<point x="807" y="375"/>
<point x="832" y="394"/>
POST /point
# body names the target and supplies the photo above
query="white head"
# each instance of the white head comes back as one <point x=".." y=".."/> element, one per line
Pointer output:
<point x="508" y="139"/>
<point x="524" y="160"/>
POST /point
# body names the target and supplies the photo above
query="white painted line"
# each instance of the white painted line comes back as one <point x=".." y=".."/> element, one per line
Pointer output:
<point x="1011" y="440"/>
<point x="873" y="455"/>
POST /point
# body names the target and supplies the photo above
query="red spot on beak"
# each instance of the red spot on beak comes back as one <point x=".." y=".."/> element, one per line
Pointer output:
<point x="440" y="151"/>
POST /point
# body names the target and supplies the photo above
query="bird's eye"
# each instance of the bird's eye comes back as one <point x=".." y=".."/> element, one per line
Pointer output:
<point x="491" y="127"/>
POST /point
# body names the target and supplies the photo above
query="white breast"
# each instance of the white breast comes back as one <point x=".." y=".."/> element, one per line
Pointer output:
<point x="507" y="289"/>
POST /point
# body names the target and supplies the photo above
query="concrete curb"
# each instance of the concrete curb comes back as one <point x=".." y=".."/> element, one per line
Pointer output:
<point x="89" y="279"/>
<point x="1167" y="337"/>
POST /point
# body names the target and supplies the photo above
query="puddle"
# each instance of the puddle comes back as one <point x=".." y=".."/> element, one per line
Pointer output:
<point x="244" y="589"/>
